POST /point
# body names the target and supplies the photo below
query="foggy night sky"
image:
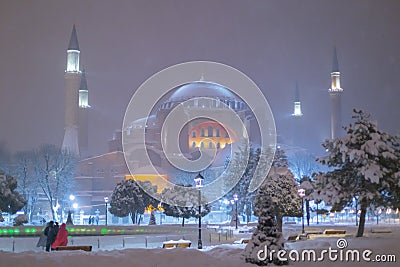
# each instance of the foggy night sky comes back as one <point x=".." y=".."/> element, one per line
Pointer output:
<point x="274" y="42"/>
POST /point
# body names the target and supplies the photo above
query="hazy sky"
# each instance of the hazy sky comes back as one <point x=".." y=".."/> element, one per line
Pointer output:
<point x="275" y="42"/>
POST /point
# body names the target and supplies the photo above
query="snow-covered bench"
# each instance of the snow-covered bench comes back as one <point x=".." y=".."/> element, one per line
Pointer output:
<point x="177" y="244"/>
<point x="292" y="238"/>
<point x="380" y="231"/>
<point x="84" y="248"/>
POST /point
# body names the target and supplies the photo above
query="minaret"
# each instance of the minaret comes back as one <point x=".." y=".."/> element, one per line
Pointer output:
<point x="83" y="103"/>
<point x="72" y="84"/>
<point x="297" y="105"/>
<point x="335" y="93"/>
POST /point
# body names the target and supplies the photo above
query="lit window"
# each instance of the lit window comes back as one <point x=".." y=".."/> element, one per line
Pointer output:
<point x="210" y="131"/>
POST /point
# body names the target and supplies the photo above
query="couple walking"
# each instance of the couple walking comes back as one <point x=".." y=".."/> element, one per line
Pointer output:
<point x="53" y="236"/>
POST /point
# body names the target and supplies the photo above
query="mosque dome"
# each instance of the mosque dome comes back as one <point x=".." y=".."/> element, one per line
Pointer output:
<point x="201" y="89"/>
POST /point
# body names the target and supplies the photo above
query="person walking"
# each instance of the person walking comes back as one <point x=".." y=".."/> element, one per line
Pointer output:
<point x="61" y="238"/>
<point x="42" y="239"/>
<point x="50" y="233"/>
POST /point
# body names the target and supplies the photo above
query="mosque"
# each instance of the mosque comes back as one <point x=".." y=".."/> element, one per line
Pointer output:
<point x="97" y="176"/>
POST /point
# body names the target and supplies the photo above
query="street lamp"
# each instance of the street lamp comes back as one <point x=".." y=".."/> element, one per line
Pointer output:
<point x="106" y="201"/>
<point x="198" y="181"/>
<point x="302" y="193"/>
<point x="235" y="200"/>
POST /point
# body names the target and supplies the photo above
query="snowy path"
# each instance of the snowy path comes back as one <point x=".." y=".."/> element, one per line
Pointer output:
<point x="112" y="254"/>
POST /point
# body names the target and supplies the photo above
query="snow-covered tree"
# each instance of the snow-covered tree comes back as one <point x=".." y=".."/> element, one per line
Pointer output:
<point x="303" y="164"/>
<point x="283" y="192"/>
<point x="186" y="203"/>
<point x="69" y="218"/>
<point x="266" y="237"/>
<point x="10" y="200"/>
<point x="152" y="220"/>
<point x="366" y="166"/>
<point x="20" y="220"/>
<point x="282" y="189"/>
<point x="28" y="185"/>
<point x="54" y="169"/>
<point x="129" y="199"/>
<point x="245" y="198"/>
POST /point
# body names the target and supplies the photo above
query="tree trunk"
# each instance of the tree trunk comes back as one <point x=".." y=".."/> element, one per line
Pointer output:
<point x="133" y="217"/>
<point x="183" y="222"/>
<point x="279" y="220"/>
<point x="308" y="211"/>
<point x="360" y="230"/>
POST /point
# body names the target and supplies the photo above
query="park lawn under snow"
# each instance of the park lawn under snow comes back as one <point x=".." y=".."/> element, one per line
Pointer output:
<point x="218" y="256"/>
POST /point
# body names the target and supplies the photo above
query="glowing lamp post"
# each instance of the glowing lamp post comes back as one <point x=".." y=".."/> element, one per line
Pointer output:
<point x="106" y="201"/>
<point x="198" y="181"/>
<point x="302" y="194"/>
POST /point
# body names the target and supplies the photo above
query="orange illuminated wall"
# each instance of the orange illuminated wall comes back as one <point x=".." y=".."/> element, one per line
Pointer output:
<point x="156" y="180"/>
<point x="210" y="134"/>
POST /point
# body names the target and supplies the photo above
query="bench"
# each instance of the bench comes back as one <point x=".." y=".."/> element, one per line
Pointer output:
<point x="292" y="238"/>
<point x="242" y="241"/>
<point x="177" y="244"/>
<point x="84" y="248"/>
<point x="380" y="231"/>
<point x="334" y="232"/>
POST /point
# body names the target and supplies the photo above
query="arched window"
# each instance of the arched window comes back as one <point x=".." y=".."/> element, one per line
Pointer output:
<point x="210" y="144"/>
<point x="202" y="144"/>
<point x="218" y="145"/>
<point x="217" y="133"/>
<point x="203" y="132"/>
<point x="226" y="134"/>
<point x="193" y="144"/>
<point x="193" y="134"/>
<point x="210" y="131"/>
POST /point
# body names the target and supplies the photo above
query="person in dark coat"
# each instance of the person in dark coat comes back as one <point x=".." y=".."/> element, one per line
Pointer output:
<point x="51" y="234"/>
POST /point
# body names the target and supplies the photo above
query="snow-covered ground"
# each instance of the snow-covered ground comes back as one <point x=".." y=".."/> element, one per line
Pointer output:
<point x="215" y="256"/>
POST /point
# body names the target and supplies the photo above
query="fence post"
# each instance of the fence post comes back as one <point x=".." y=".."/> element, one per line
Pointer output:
<point x="13" y="249"/>
<point x="123" y="242"/>
<point x="98" y="242"/>
<point x="219" y="237"/>
<point x="145" y="240"/>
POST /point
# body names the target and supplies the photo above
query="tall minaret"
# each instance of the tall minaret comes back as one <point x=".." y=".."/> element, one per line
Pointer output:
<point x="335" y="93"/>
<point x="83" y="103"/>
<point x="72" y="84"/>
<point x="297" y="104"/>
